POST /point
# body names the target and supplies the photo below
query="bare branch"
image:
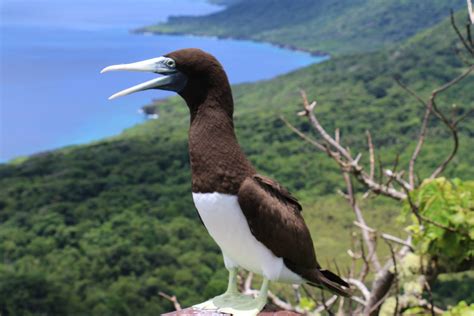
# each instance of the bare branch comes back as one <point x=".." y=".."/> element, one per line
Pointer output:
<point x="431" y="107"/>
<point x="297" y="293"/>
<point x="463" y="117"/>
<point x="172" y="299"/>
<point x="397" y="286"/>
<point x="398" y="177"/>
<point x="393" y="172"/>
<point x="358" y="300"/>
<point x="453" y="152"/>
<point x="361" y="286"/>
<point x="456" y="29"/>
<point x="382" y="283"/>
<point x="281" y="303"/>
<point x="397" y="240"/>
<point x="364" y="271"/>
<point x="421" y="140"/>
<point x="430" y="295"/>
<point x="371" y="155"/>
<point x="365" y="227"/>
<point x="411" y="92"/>
<point x="368" y="239"/>
<point x="340" y="309"/>
<point x="314" y="121"/>
<point x="302" y="135"/>
<point x="326" y="304"/>
<point x="453" y="82"/>
<point x="445" y="120"/>
<point x="342" y="155"/>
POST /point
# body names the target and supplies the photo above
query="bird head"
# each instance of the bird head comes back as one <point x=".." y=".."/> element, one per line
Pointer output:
<point x="190" y="72"/>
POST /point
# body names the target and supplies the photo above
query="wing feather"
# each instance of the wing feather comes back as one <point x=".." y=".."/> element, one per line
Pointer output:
<point x="275" y="219"/>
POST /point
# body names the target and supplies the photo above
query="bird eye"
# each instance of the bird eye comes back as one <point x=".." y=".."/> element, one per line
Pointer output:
<point x="170" y="63"/>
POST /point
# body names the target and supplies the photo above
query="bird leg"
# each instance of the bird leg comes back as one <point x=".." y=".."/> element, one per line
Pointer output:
<point x="231" y="295"/>
<point x="248" y="307"/>
<point x="235" y="303"/>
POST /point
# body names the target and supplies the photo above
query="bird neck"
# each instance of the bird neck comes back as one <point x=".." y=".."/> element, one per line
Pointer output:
<point x="218" y="164"/>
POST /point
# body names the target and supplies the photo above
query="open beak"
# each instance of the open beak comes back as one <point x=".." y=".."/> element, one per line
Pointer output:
<point x="172" y="79"/>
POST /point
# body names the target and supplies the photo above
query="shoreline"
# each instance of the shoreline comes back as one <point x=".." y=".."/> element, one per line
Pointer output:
<point x="315" y="53"/>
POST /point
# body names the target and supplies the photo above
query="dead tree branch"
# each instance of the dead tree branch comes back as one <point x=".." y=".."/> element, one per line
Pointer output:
<point x="368" y="237"/>
<point x="467" y="43"/>
<point x="390" y="183"/>
<point x="421" y="140"/>
<point x="172" y="299"/>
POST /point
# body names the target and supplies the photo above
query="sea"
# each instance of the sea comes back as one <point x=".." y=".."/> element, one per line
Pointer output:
<point x="51" y="53"/>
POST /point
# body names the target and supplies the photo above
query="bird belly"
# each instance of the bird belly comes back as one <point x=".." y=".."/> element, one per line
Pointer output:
<point x="227" y="225"/>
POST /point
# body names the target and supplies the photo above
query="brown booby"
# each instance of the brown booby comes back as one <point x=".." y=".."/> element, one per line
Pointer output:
<point x="255" y="221"/>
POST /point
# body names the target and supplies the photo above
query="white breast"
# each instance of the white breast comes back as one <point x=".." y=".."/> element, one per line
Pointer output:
<point x="227" y="225"/>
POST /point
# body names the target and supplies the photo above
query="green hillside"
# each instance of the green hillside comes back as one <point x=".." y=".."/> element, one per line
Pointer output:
<point x="342" y="26"/>
<point x="100" y="229"/>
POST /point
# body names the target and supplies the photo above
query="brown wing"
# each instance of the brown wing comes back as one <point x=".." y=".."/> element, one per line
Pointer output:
<point x="274" y="218"/>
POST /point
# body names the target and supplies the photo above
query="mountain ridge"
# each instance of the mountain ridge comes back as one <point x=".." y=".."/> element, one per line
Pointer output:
<point x="334" y="27"/>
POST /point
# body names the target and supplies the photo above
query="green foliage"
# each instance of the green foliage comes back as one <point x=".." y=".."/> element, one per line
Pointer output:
<point x="462" y="309"/>
<point x="334" y="26"/>
<point x="450" y="288"/>
<point x="451" y="204"/>
<point x="107" y="225"/>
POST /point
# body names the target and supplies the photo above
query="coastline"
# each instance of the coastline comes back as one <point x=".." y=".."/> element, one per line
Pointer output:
<point x="315" y="53"/>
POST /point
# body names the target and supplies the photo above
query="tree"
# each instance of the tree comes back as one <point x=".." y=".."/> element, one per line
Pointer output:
<point x="440" y="237"/>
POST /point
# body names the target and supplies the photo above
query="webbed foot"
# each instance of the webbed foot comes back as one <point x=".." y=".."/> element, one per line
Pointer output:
<point x="226" y="300"/>
<point x="235" y="303"/>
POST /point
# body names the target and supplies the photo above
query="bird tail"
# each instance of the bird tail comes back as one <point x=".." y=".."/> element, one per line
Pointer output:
<point x="326" y="279"/>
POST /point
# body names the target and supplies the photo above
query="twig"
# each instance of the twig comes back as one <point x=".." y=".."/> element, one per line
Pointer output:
<point x="393" y="171"/>
<point x="411" y="92"/>
<point x="281" y="303"/>
<point x="364" y="271"/>
<point x="302" y="135"/>
<point x="371" y="155"/>
<point x="382" y="283"/>
<point x="172" y="299"/>
<point x="463" y="117"/>
<point x="358" y="300"/>
<point x="326" y="304"/>
<point x="421" y="140"/>
<point x="421" y="218"/>
<point x="361" y="286"/>
<point x="451" y="83"/>
<point x="340" y="309"/>
<point x="340" y="154"/>
<point x="456" y="29"/>
<point x="397" y="286"/>
<point x="364" y="227"/>
<point x="309" y="109"/>
<point x="397" y="240"/>
<point x="369" y="241"/>
<point x="451" y="126"/>
<point x="430" y="296"/>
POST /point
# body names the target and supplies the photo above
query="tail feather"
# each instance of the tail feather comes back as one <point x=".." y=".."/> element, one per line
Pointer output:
<point x="322" y="279"/>
<point x="332" y="282"/>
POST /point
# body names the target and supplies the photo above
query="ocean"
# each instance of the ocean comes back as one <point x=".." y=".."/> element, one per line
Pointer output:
<point x="51" y="52"/>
